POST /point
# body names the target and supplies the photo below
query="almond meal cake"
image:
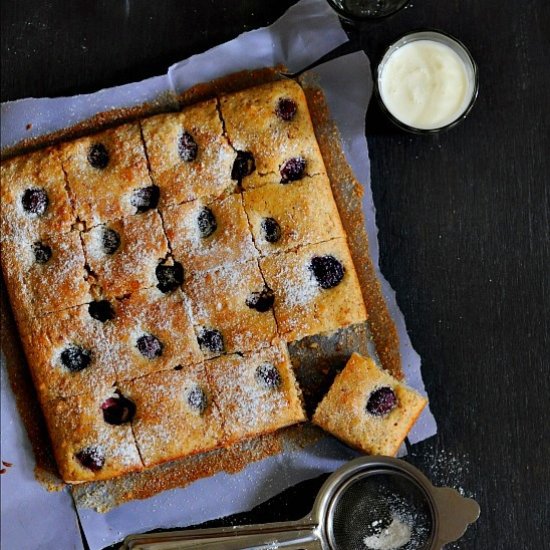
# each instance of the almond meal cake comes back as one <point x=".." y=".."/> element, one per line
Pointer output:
<point x="158" y="269"/>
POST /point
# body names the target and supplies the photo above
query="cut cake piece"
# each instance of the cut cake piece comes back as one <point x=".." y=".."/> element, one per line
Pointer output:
<point x="154" y="332"/>
<point x="287" y="216"/>
<point x="204" y="236"/>
<point x="369" y="409"/>
<point x="256" y="393"/>
<point x="92" y="436"/>
<point x="270" y="128"/>
<point x="34" y="200"/>
<point x="108" y="176"/>
<point x="175" y="414"/>
<point x="71" y="351"/>
<point x="124" y="255"/>
<point x="188" y="154"/>
<point x="316" y="289"/>
<point x="46" y="275"/>
<point x="234" y="301"/>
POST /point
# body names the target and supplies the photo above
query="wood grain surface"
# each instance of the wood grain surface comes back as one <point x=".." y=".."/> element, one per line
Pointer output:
<point x="463" y="218"/>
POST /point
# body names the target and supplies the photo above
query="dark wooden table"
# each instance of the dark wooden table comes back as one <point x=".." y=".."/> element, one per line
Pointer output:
<point x="463" y="219"/>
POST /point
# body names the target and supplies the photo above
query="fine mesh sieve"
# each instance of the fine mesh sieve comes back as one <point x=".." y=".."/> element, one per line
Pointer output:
<point x="371" y="503"/>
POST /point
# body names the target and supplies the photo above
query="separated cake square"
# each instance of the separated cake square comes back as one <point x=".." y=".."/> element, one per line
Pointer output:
<point x="256" y="393"/>
<point x="204" y="236"/>
<point x="128" y="254"/>
<point x="369" y="409"/>
<point x="284" y="216"/>
<point x="188" y="154"/>
<point x="34" y="200"/>
<point x="175" y="414"/>
<point x="234" y="303"/>
<point x="92" y="435"/>
<point x="316" y="289"/>
<point x="108" y="176"/>
<point x="270" y="128"/>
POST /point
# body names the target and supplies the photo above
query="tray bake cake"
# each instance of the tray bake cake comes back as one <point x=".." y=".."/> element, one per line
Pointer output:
<point x="158" y="270"/>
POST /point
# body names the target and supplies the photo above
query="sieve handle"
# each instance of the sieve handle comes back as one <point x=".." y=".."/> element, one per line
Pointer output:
<point x="455" y="514"/>
<point x="293" y="535"/>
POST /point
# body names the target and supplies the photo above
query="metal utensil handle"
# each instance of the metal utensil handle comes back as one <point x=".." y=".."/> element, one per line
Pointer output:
<point x="455" y="513"/>
<point x="293" y="535"/>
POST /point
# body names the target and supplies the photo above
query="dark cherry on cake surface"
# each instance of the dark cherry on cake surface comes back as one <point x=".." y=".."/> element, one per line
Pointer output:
<point x="42" y="253"/>
<point x="76" y="358"/>
<point x="381" y="401"/>
<point x="327" y="270"/>
<point x="187" y="147"/>
<point x="196" y="399"/>
<point x="98" y="156"/>
<point x="207" y="222"/>
<point x="149" y="346"/>
<point x="92" y="458"/>
<point x="110" y="240"/>
<point x="261" y="301"/>
<point x="271" y="230"/>
<point x="243" y="165"/>
<point x="169" y="277"/>
<point x="293" y="169"/>
<point x="118" y="410"/>
<point x="286" y="109"/>
<point x="268" y="375"/>
<point x="210" y="339"/>
<point x="101" y="310"/>
<point x="35" y="201"/>
<point x="145" y="198"/>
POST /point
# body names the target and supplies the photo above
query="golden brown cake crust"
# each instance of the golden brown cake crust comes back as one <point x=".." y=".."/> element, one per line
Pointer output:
<point x="284" y="216"/>
<point x="153" y="332"/>
<point x="34" y="199"/>
<point x="343" y="411"/>
<point x="105" y="192"/>
<point x="175" y="414"/>
<point x="86" y="446"/>
<point x="198" y="168"/>
<point x="227" y="242"/>
<point x="302" y="307"/>
<point x="129" y="265"/>
<point x="219" y="301"/>
<point x="253" y="126"/>
<point x="46" y="275"/>
<point x="256" y="393"/>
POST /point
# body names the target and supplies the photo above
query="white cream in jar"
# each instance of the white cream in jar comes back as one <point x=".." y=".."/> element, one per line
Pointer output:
<point x="425" y="83"/>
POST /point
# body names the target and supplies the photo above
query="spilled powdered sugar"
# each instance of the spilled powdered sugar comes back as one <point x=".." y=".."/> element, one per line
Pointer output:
<point x="396" y="535"/>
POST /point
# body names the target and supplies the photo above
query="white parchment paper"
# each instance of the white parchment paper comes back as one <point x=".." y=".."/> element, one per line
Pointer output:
<point x="305" y="33"/>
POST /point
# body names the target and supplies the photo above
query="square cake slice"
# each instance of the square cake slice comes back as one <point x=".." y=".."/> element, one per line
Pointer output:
<point x="125" y="255"/>
<point x="34" y="199"/>
<point x="175" y="414"/>
<point x="71" y="351"/>
<point x="270" y="128"/>
<point x="46" y="275"/>
<point x="204" y="236"/>
<point x="234" y="301"/>
<point x="108" y="176"/>
<point x="316" y="289"/>
<point x="284" y="216"/>
<point x="369" y="409"/>
<point x="153" y="332"/>
<point x="189" y="156"/>
<point x="256" y="393"/>
<point x="92" y="436"/>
